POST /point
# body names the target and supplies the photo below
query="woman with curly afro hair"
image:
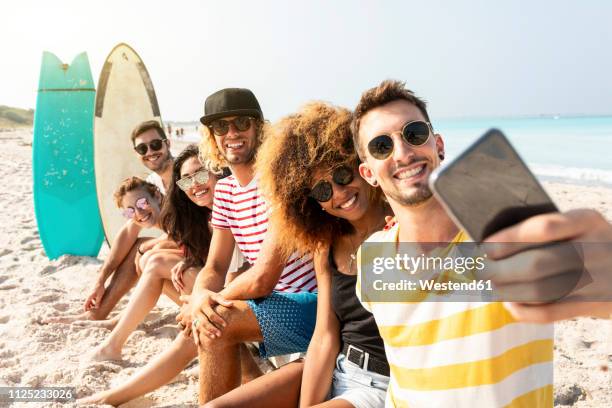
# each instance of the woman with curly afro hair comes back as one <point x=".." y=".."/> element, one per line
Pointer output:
<point x="308" y="170"/>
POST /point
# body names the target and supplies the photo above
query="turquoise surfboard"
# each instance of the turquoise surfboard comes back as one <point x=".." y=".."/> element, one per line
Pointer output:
<point x="65" y="201"/>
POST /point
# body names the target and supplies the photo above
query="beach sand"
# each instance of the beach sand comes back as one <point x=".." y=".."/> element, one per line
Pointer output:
<point x="32" y="287"/>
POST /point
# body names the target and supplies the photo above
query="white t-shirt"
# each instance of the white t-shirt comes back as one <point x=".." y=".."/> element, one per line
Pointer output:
<point x="156" y="179"/>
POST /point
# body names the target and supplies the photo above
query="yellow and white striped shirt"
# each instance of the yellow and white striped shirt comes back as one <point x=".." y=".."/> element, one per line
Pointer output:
<point x="460" y="354"/>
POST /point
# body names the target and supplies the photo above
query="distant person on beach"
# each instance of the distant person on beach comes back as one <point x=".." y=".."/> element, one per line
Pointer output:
<point x="153" y="148"/>
<point x="273" y="302"/>
<point x="453" y="353"/>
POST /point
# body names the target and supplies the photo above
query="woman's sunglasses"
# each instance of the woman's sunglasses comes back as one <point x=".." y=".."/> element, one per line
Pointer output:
<point x="142" y="204"/>
<point x="323" y="190"/>
<point x="199" y="177"/>
<point x="220" y="127"/>
<point x="414" y="133"/>
<point x="155" y="146"/>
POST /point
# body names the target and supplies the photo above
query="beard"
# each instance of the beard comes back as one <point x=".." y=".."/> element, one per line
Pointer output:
<point x="162" y="165"/>
<point x="422" y="194"/>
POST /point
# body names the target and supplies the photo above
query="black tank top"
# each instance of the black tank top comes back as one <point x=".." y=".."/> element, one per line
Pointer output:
<point x="357" y="325"/>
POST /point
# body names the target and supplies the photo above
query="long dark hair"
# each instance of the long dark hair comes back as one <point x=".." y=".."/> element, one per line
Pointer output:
<point x="185" y="222"/>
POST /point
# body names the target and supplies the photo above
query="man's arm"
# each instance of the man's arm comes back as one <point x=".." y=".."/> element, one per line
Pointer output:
<point x="209" y="281"/>
<point x="212" y="275"/>
<point x="262" y="277"/>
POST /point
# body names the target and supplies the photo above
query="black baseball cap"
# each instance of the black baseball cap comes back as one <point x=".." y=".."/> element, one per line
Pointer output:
<point x="230" y="102"/>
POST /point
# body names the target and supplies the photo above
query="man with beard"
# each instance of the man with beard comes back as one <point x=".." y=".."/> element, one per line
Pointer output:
<point x="153" y="148"/>
<point x="282" y="315"/>
<point x="459" y="354"/>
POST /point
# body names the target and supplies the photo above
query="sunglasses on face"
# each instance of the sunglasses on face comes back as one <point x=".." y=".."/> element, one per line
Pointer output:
<point x="199" y="177"/>
<point x="323" y="190"/>
<point x="414" y="133"/>
<point x="220" y="127"/>
<point x="142" y="204"/>
<point x="155" y="146"/>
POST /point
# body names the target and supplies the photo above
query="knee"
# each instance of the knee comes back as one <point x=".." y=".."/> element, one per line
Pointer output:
<point x="226" y="313"/>
<point x="154" y="264"/>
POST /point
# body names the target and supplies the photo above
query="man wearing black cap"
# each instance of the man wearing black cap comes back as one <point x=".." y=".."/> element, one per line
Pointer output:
<point x="282" y="316"/>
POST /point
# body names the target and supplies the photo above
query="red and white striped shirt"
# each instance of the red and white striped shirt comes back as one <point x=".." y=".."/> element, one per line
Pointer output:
<point x="245" y="212"/>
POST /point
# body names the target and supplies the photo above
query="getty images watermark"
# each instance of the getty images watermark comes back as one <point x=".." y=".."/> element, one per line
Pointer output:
<point x="443" y="272"/>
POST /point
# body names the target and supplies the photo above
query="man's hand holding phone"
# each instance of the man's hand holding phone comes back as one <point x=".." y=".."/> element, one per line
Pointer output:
<point x="586" y="228"/>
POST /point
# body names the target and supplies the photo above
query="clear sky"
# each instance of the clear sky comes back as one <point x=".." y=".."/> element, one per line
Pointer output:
<point x="466" y="57"/>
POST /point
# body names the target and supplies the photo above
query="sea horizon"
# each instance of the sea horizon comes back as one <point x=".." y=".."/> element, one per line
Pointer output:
<point x="559" y="148"/>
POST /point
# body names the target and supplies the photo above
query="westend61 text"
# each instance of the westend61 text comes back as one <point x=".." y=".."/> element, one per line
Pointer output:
<point x="432" y="285"/>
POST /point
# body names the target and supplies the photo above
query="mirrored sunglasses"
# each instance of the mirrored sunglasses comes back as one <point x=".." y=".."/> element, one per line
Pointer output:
<point x="142" y="204"/>
<point x="199" y="177"/>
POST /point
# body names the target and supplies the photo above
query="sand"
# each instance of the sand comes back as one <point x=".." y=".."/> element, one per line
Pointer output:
<point x="32" y="287"/>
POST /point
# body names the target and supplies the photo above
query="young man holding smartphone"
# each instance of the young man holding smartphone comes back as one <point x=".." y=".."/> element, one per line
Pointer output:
<point x="441" y="353"/>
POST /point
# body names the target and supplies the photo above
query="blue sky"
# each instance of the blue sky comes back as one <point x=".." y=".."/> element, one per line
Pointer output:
<point x="467" y="58"/>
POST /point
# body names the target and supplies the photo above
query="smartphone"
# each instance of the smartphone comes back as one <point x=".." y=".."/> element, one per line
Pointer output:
<point x="489" y="187"/>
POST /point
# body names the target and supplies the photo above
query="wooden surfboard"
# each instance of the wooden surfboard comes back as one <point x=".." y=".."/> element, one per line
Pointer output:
<point x="125" y="98"/>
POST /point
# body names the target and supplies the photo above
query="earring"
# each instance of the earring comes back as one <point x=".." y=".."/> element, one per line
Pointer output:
<point x="375" y="183"/>
<point x="441" y="156"/>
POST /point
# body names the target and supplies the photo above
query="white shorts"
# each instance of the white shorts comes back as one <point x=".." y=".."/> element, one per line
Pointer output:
<point x="363" y="389"/>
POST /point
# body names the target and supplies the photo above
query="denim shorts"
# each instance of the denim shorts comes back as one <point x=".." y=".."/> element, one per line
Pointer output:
<point x="363" y="389"/>
<point x="286" y="321"/>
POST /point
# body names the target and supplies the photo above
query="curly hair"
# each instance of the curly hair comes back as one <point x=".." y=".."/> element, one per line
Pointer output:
<point x="317" y="138"/>
<point x="208" y="144"/>
<point x="131" y="184"/>
<point x="184" y="221"/>
<point x="387" y="91"/>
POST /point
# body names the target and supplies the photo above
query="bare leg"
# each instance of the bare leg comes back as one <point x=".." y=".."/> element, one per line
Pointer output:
<point x="220" y="369"/>
<point x="145" y="297"/>
<point x="280" y="388"/>
<point x="122" y="281"/>
<point x="248" y="367"/>
<point x="158" y="372"/>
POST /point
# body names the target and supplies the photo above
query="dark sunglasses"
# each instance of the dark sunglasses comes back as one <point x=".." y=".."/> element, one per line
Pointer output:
<point x="414" y="133"/>
<point x="155" y="146"/>
<point x="220" y="127"/>
<point x="323" y="190"/>
<point x="142" y="204"/>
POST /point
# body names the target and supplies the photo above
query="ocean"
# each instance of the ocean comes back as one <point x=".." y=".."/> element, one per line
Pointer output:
<point x="567" y="149"/>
